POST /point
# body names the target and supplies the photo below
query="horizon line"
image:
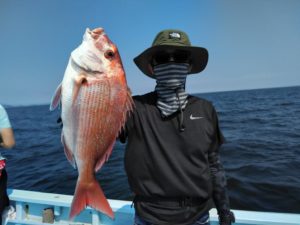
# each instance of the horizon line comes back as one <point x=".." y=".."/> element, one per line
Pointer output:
<point x="208" y="92"/>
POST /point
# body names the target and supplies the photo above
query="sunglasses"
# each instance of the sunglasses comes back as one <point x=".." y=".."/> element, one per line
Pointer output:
<point x="165" y="57"/>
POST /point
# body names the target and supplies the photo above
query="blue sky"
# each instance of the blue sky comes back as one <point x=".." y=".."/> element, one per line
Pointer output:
<point x="251" y="44"/>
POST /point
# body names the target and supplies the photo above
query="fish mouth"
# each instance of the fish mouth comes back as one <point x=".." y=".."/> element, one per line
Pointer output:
<point x="86" y="70"/>
<point x="96" y="33"/>
<point x="98" y="30"/>
<point x="94" y="72"/>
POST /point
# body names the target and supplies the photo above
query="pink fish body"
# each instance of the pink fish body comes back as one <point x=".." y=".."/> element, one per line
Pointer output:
<point x="95" y="101"/>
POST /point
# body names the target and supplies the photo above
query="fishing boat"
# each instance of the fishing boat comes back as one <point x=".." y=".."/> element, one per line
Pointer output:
<point x="29" y="209"/>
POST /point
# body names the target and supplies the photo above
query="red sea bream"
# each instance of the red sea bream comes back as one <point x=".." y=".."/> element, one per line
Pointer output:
<point x="95" y="102"/>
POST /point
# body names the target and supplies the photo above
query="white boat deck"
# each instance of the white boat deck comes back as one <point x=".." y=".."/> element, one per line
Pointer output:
<point x="29" y="207"/>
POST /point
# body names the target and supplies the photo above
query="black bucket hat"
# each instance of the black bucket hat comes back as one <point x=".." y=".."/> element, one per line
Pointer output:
<point x="170" y="41"/>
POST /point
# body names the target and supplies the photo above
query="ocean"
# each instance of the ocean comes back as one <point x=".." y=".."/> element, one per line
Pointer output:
<point x="261" y="155"/>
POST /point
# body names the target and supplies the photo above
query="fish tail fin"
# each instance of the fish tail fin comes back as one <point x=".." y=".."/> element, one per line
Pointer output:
<point x="89" y="194"/>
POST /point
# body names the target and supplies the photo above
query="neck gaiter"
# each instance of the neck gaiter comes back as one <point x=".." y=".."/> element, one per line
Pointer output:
<point x="170" y="87"/>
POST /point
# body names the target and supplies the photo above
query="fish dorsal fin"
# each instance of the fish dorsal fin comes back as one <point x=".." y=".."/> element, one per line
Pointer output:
<point x="68" y="152"/>
<point x="128" y="107"/>
<point x="55" y="101"/>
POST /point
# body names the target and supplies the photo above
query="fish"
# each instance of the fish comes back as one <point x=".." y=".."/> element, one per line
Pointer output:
<point x="95" y="102"/>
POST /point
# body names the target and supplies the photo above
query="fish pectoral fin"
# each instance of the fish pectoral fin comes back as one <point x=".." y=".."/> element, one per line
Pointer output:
<point x="68" y="152"/>
<point x="78" y="82"/>
<point x="55" y="101"/>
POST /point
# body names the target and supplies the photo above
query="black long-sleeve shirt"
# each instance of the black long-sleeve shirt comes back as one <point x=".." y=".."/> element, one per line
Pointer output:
<point x="163" y="161"/>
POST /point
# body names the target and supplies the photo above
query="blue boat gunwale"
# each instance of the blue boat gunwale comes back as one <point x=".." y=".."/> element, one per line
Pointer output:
<point x="124" y="207"/>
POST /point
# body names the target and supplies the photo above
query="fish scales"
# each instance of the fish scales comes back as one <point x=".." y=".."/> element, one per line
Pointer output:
<point x="96" y="111"/>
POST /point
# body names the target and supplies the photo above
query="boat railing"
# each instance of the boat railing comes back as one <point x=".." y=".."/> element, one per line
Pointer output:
<point x="30" y="205"/>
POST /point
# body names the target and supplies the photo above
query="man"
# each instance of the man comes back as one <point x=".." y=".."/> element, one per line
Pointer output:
<point x="6" y="141"/>
<point x="172" y="159"/>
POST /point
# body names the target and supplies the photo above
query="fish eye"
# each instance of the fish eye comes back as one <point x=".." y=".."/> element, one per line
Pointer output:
<point x="109" y="54"/>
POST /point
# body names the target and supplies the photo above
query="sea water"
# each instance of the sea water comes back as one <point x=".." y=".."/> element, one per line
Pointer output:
<point x="261" y="155"/>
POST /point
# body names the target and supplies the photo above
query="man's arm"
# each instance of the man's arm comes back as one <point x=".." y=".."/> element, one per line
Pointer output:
<point x="7" y="139"/>
<point x="220" y="194"/>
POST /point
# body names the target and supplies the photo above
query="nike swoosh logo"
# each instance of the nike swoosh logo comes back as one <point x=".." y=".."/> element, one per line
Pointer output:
<point x="195" y="117"/>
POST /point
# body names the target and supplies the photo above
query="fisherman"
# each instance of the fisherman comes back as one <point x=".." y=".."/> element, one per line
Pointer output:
<point x="172" y="155"/>
<point x="7" y="140"/>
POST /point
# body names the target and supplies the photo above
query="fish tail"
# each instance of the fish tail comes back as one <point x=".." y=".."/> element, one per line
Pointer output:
<point x="89" y="194"/>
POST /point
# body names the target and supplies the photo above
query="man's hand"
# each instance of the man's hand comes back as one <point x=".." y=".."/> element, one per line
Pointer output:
<point x="226" y="218"/>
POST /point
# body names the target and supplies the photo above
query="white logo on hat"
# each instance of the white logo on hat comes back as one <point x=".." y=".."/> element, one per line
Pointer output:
<point x="174" y="35"/>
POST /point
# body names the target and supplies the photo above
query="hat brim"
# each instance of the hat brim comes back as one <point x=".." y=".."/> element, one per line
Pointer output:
<point x="199" y="57"/>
